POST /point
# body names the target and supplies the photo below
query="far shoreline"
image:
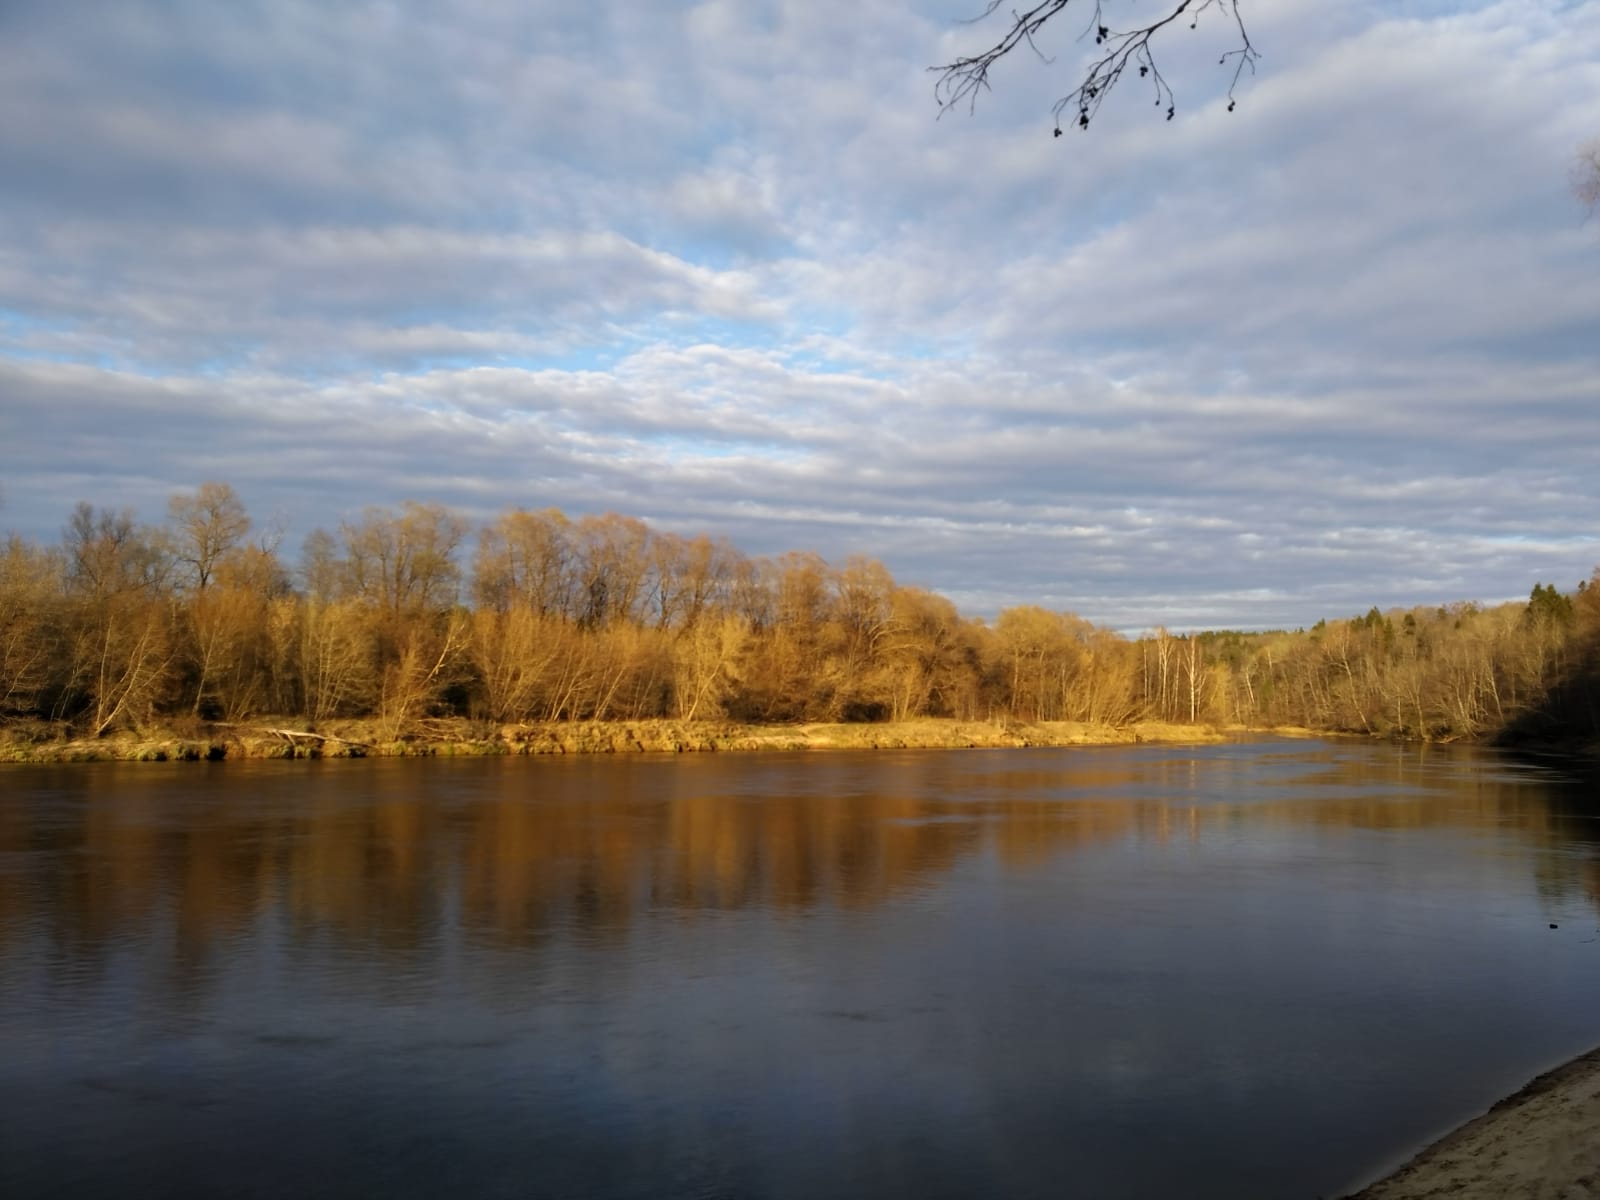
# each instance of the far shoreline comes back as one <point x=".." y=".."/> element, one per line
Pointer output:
<point x="282" y="738"/>
<point x="195" y="740"/>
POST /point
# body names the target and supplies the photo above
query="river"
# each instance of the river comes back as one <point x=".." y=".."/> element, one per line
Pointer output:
<point x="1259" y="969"/>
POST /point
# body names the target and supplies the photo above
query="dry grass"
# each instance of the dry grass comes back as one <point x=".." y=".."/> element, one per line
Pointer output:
<point x="285" y="738"/>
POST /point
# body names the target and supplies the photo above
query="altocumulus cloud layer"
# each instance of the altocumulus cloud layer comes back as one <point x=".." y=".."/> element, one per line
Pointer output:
<point x="716" y="264"/>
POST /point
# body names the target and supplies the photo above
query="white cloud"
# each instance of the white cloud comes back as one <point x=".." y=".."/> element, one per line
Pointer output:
<point x="718" y="265"/>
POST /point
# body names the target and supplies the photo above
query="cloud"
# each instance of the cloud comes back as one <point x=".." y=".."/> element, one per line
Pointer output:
<point x="718" y="265"/>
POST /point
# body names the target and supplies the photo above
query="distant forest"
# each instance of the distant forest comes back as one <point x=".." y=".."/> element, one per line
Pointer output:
<point x="409" y="614"/>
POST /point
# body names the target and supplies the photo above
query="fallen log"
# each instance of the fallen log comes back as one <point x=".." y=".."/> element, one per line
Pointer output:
<point x="289" y="735"/>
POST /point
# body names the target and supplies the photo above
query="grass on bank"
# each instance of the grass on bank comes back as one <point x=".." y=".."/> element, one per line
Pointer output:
<point x="273" y="738"/>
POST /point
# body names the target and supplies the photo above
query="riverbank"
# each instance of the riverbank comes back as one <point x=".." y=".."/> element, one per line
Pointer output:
<point x="1539" y="1144"/>
<point x="283" y="738"/>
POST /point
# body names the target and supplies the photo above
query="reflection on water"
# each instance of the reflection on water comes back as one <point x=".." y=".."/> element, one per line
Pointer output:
<point x="1243" y="970"/>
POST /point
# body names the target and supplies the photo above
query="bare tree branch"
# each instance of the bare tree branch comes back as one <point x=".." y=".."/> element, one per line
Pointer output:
<point x="960" y="81"/>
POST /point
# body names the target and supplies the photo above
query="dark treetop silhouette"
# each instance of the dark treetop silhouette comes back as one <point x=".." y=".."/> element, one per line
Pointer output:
<point x="1586" y="176"/>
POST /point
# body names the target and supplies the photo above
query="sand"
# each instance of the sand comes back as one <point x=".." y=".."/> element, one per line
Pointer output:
<point x="1543" y="1142"/>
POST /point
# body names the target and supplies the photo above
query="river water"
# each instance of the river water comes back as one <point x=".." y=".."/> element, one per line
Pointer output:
<point x="1265" y="969"/>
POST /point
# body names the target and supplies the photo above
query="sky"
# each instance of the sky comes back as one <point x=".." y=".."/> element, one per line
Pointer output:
<point x="723" y="266"/>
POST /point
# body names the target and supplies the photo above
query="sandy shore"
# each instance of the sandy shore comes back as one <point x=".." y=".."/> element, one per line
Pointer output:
<point x="1543" y="1143"/>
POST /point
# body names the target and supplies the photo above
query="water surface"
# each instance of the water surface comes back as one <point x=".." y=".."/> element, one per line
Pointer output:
<point x="1265" y="969"/>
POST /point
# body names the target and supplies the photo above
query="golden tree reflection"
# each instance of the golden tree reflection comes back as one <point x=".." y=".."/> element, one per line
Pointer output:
<point x="513" y="852"/>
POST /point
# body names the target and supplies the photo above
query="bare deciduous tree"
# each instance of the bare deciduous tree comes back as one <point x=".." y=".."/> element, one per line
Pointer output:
<point x="704" y="658"/>
<point x="204" y="527"/>
<point x="108" y="555"/>
<point x="1118" y="51"/>
<point x="422" y="668"/>
<point x="405" y="563"/>
<point x="30" y="579"/>
<point x="527" y="559"/>
<point x="335" y="658"/>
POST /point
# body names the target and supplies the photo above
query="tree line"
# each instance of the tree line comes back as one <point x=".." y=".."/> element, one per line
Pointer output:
<point x="406" y="614"/>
